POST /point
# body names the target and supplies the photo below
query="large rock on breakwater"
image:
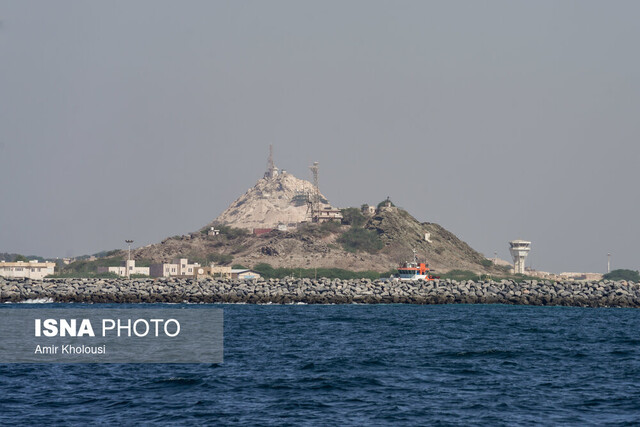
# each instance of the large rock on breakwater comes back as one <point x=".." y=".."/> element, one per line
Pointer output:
<point x="321" y="291"/>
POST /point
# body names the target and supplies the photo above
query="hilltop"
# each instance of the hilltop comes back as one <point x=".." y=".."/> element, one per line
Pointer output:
<point x="278" y="199"/>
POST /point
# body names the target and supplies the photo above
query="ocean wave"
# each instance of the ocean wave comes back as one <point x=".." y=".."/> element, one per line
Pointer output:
<point x="37" y="301"/>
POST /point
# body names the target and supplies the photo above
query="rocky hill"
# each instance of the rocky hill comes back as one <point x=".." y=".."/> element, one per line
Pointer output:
<point x="401" y="233"/>
<point x="395" y="232"/>
<point x="278" y="199"/>
<point x="375" y="241"/>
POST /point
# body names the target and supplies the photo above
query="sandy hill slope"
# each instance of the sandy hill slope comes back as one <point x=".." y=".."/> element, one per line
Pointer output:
<point x="281" y="199"/>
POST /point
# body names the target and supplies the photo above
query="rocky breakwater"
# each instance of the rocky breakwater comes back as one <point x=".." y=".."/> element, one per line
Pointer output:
<point x="321" y="291"/>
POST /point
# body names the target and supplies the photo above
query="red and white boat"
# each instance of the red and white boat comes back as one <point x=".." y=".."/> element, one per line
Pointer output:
<point x="414" y="270"/>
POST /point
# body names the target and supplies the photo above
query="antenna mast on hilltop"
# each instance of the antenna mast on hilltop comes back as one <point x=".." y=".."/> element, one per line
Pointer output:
<point x="314" y="197"/>
<point x="272" y="170"/>
<point x="270" y="161"/>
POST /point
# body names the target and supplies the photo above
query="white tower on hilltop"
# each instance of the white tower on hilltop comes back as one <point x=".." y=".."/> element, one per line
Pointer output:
<point x="519" y="250"/>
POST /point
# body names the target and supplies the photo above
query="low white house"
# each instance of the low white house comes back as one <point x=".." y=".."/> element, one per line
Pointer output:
<point x="127" y="269"/>
<point x="179" y="267"/>
<point x="243" y="273"/>
<point x="30" y="269"/>
<point x="213" y="271"/>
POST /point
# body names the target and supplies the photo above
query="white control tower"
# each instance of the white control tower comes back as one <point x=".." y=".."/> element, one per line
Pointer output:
<point x="519" y="250"/>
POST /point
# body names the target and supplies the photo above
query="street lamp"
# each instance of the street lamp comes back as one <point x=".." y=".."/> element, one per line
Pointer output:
<point x="129" y="242"/>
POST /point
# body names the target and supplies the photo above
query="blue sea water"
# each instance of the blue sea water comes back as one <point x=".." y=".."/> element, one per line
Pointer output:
<point x="362" y="365"/>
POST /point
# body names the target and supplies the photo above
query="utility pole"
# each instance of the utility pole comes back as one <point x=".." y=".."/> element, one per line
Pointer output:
<point x="608" y="263"/>
<point x="129" y="242"/>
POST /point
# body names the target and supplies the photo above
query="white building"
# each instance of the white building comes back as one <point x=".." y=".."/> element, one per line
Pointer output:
<point x="519" y="250"/>
<point x="126" y="270"/>
<point x="368" y="210"/>
<point x="327" y="214"/>
<point x="30" y="270"/>
<point x="243" y="273"/>
<point x="179" y="267"/>
<point x="213" y="271"/>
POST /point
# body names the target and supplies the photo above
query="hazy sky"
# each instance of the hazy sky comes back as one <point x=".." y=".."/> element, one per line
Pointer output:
<point x="496" y="119"/>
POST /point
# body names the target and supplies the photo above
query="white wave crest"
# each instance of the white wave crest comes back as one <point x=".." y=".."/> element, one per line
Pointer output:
<point x="36" y="301"/>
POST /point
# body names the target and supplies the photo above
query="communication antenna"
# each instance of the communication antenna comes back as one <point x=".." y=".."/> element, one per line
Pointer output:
<point x="270" y="161"/>
<point x="315" y="194"/>
<point x="272" y="170"/>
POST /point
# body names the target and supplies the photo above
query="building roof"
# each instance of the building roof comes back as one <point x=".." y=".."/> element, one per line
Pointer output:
<point x="34" y="263"/>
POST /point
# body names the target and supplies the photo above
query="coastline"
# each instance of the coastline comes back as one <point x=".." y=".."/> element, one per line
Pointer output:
<point x="321" y="291"/>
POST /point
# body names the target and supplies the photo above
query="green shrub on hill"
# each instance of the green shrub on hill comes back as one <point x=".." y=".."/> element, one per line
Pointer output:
<point x="232" y="232"/>
<point x="623" y="274"/>
<point x="353" y="217"/>
<point x="5" y="256"/>
<point x="195" y="258"/>
<point x="220" y="259"/>
<point x="318" y="230"/>
<point x="330" y="227"/>
<point x="268" y="272"/>
<point x="384" y="202"/>
<point x="460" y="275"/>
<point x="265" y="270"/>
<point x="486" y="263"/>
<point x="103" y="254"/>
<point x="359" y="239"/>
<point x="389" y="273"/>
<point x="85" y="268"/>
